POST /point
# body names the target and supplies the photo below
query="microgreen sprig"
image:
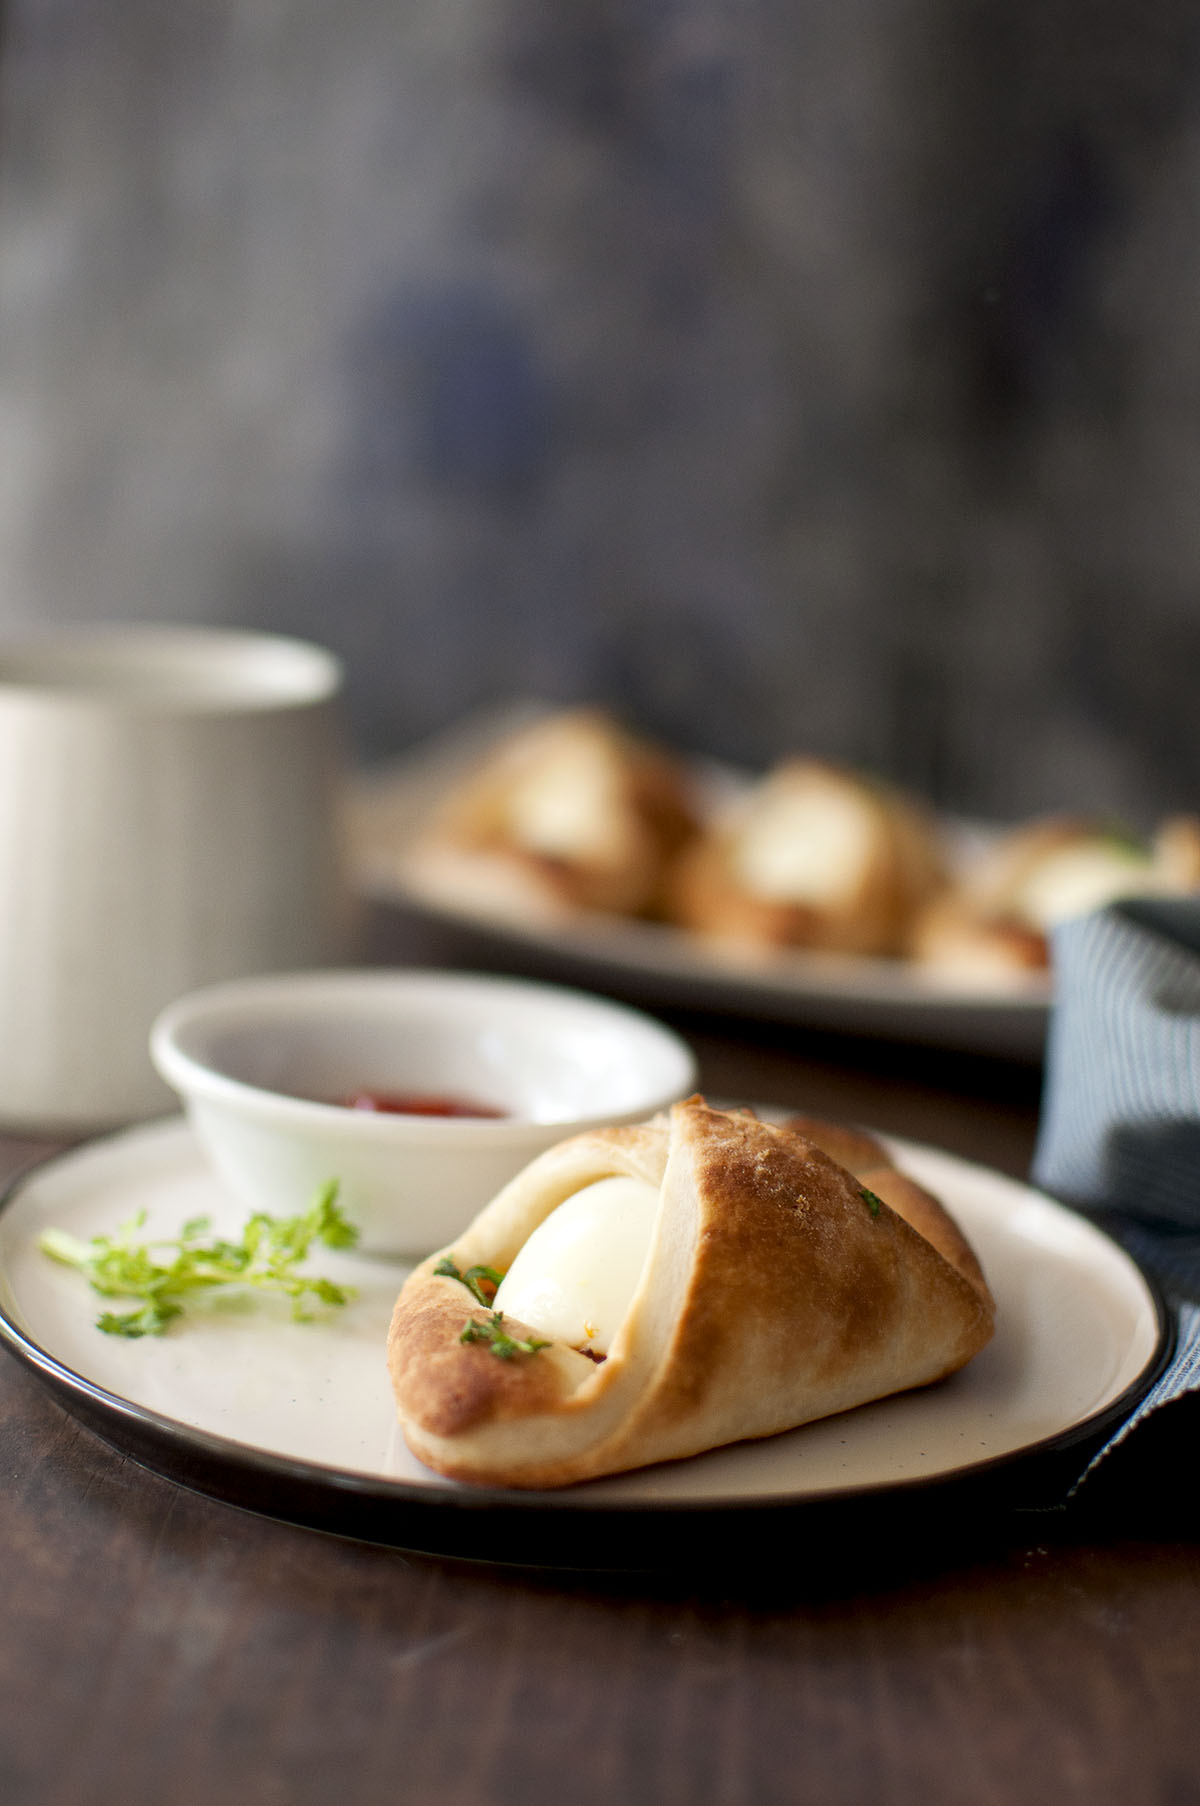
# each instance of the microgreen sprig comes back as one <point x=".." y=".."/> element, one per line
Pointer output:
<point x="497" y="1338"/>
<point x="492" y="1333"/>
<point x="475" y="1278"/>
<point x="165" y="1272"/>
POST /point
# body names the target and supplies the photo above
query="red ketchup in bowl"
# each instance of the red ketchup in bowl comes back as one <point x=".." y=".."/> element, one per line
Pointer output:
<point x="417" y="1103"/>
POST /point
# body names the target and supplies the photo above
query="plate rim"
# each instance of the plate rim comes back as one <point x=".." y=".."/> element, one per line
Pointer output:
<point x="621" y="944"/>
<point x="214" y="1464"/>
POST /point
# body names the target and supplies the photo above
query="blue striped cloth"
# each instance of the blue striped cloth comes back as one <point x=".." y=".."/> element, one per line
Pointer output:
<point x="1120" y="1129"/>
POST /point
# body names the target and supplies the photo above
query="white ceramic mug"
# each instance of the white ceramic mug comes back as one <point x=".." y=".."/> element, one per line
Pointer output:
<point x="169" y="815"/>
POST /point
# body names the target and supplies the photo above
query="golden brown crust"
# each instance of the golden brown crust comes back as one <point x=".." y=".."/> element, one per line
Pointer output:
<point x="777" y="1289"/>
<point x="850" y="1147"/>
<point x="451" y="1385"/>
<point x="925" y="1213"/>
<point x="866" y="1157"/>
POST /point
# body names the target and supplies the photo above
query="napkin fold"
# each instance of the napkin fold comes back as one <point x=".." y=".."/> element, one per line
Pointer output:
<point x="1119" y="1136"/>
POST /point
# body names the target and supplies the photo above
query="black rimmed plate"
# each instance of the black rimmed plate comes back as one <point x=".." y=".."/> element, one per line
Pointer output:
<point x="295" y="1419"/>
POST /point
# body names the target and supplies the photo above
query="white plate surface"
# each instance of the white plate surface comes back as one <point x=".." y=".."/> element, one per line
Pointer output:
<point x="1077" y="1325"/>
<point x="656" y="963"/>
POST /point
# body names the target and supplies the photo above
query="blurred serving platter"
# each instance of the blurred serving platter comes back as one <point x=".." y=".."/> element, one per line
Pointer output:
<point x="656" y="963"/>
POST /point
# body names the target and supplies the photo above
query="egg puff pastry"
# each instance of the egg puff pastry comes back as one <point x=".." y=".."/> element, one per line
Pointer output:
<point x="572" y="812"/>
<point x="777" y="1288"/>
<point x="813" y="856"/>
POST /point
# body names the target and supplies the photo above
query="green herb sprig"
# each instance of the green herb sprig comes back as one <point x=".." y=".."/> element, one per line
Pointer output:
<point x="497" y="1338"/>
<point x="873" y="1204"/>
<point x="475" y="1278"/>
<point x="164" y="1273"/>
<point x="492" y="1333"/>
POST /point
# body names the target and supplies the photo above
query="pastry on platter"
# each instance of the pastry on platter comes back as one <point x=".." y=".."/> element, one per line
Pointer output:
<point x="641" y="1294"/>
<point x="812" y="856"/>
<point x="570" y="813"/>
<point x="997" y="919"/>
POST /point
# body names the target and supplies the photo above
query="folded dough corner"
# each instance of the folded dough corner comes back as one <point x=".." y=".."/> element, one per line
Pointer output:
<point x="777" y="1287"/>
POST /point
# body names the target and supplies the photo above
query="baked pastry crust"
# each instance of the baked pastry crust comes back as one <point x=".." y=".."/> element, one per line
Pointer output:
<point x="865" y="1156"/>
<point x="778" y="1288"/>
<point x="864" y="906"/>
<point x="570" y="813"/>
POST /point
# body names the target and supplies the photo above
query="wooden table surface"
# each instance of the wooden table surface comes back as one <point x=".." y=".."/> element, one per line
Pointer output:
<point x="159" y="1647"/>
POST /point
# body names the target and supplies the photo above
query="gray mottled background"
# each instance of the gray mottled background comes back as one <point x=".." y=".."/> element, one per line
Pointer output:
<point x="791" y="373"/>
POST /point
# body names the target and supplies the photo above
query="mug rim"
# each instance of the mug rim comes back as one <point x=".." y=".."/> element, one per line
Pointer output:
<point x="146" y="667"/>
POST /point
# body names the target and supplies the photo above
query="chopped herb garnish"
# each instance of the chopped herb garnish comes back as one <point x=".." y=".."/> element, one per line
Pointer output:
<point x="475" y="1278"/>
<point x="1122" y="839"/>
<point x="163" y="1272"/>
<point x="497" y="1337"/>
<point x="492" y="1332"/>
<point x="873" y="1204"/>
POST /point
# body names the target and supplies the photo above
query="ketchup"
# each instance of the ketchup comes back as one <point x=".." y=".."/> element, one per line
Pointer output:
<point x="416" y="1103"/>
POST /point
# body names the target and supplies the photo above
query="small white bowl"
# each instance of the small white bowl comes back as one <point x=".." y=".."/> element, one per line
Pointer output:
<point x="261" y="1064"/>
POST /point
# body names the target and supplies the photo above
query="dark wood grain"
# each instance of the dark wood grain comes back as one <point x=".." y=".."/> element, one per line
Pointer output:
<point x="156" y="1646"/>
